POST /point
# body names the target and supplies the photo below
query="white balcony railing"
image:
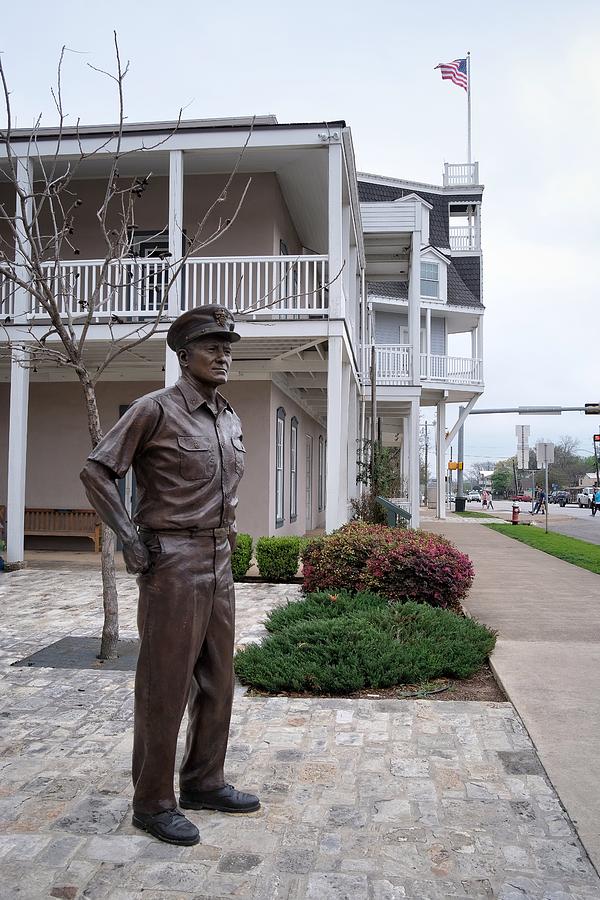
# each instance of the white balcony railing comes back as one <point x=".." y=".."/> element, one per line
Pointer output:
<point x="461" y="173"/>
<point x="392" y="363"/>
<point x="454" y="369"/>
<point x="393" y="366"/>
<point x="464" y="237"/>
<point x="282" y="286"/>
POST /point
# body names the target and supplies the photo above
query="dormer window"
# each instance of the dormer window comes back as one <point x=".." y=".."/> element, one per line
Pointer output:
<point x="430" y="280"/>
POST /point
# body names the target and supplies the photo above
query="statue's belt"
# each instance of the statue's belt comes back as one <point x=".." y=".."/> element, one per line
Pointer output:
<point x="188" y="532"/>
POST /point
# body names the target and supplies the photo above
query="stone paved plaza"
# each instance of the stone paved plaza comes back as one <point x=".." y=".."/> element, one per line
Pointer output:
<point x="378" y="799"/>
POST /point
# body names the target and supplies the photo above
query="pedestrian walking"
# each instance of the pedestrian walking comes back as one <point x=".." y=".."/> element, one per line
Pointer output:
<point x="596" y="500"/>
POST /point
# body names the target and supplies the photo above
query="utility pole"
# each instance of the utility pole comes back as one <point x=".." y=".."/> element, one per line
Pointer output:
<point x="427" y="462"/>
<point x="461" y="452"/>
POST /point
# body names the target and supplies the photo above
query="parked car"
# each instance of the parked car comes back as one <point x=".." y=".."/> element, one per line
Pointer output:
<point x="561" y="497"/>
<point x="521" y="498"/>
<point x="585" y="496"/>
<point x="474" y="496"/>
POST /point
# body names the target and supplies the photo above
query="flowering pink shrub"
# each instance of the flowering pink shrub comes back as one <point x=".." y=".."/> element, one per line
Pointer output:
<point x="397" y="563"/>
<point x="337" y="560"/>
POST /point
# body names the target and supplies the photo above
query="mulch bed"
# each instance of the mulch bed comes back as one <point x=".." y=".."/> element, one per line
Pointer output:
<point x="481" y="686"/>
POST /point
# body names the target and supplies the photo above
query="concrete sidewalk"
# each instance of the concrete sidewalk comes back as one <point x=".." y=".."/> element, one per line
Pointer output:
<point x="547" y="657"/>
<point x="362" y="799"/>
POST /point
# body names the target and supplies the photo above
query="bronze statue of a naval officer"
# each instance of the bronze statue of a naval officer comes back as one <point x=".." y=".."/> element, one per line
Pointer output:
<point x="185" y="445"/>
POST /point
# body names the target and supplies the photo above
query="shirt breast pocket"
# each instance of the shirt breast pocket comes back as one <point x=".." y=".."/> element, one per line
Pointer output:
<point x="196" y="458"/>
<point x="239" y="452"/>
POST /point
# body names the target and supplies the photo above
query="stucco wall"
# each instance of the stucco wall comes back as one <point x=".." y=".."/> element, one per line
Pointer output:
<point x="58" y="445"/>
<point x="58" y="441"/>
<point x="262" y="221"/>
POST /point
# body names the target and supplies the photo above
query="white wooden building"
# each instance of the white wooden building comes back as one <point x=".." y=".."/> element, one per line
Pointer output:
<point x="344" y="273"/>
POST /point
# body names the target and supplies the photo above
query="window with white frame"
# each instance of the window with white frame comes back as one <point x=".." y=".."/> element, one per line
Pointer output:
<point x="294" y="469"/>
<point x="430" y="280"/>
<point x="279" y="466"/>
<point x="423" y="338"/>
<point x="321" y="485"/>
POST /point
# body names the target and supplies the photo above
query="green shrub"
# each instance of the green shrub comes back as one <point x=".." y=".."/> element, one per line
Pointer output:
<point x="397" y="563"/>
<point x="341" y="643"/>
<point x="277" y="557"/>
<point x="241" y="556"/>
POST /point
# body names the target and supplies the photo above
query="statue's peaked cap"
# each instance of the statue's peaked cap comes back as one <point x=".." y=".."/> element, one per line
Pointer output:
<point x="199" y="322"/>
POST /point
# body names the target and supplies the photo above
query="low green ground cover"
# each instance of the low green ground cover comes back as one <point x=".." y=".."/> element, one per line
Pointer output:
<point x="572" y="550"/>
<point x="338" y="643"/>
<point x="469" y="514"/>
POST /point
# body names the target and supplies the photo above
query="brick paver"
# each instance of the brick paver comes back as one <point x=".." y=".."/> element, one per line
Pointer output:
<point x="362" y="799"/>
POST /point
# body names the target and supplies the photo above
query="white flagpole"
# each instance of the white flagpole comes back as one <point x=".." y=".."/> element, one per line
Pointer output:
<point x="469" y="106"/>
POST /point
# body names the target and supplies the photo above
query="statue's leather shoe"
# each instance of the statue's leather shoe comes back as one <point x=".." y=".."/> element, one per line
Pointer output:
<point x="224" y="799"/>
<point x="170" y="826"/>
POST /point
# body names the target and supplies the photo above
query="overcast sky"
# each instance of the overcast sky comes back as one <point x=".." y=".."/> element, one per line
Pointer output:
<point x="536" y="134"/>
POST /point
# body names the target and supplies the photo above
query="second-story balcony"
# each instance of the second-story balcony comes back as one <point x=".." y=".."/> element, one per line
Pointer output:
<point x="465" y="237"/>
<point x="393" y="365"/>
<point x="134" y="289"/>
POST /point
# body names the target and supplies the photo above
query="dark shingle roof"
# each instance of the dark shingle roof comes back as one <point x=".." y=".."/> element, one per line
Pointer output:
<point x="464" y="281"/>
<point x="464" y="272"/>
<point x="438" y="216"/>
<point x="392" y="290"/>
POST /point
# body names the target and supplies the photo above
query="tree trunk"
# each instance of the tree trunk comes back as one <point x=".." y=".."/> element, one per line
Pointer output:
<point x="110" y="600"/>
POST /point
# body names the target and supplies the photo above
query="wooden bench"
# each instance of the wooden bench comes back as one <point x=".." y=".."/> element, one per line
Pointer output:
<point x="62" y="523"/>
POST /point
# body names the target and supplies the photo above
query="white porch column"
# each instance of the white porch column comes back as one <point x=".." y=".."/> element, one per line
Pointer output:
<point x="354" y="430"/>
<point x="440" y="434"/>
<point x="17" y="456"/>
<point x="414" y="306"/>
<point x="19" y="384"/>
<point x="414" y="491"/>
<point x="347" y="444"/>
<point x="428" y="342"/>
<point x="175" y="249"/>
<point x="336" y="439"/>
<point x="405" y="455"/>
<point x="335" y="232"/>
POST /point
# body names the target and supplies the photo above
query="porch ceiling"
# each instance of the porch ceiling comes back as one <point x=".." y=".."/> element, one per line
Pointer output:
<point x="253" y="358"/>
<point x="302" y="174"/>
<point x="387" y="254"/>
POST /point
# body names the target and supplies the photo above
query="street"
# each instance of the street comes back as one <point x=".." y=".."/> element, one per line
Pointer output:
<point x="569" y="520"/>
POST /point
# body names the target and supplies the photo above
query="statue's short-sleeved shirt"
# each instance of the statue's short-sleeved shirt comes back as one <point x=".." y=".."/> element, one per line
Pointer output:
<point x="187" y="461"/>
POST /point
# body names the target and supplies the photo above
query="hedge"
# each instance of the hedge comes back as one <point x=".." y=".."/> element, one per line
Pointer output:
<point x="241" y="556"/>
<point x="278" y="557"/>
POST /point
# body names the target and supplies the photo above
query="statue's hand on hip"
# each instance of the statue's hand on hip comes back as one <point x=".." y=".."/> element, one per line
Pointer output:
<point x="136" y="556"/>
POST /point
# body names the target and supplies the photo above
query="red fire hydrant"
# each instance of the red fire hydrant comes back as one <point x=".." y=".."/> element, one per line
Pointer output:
<point x="515" y="514"/>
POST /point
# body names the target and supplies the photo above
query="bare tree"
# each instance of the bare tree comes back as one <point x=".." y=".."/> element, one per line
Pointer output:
<point x="45" y="228"/>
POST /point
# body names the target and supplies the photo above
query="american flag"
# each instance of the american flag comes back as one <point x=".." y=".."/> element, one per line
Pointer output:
<point x="455" y="71"/>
